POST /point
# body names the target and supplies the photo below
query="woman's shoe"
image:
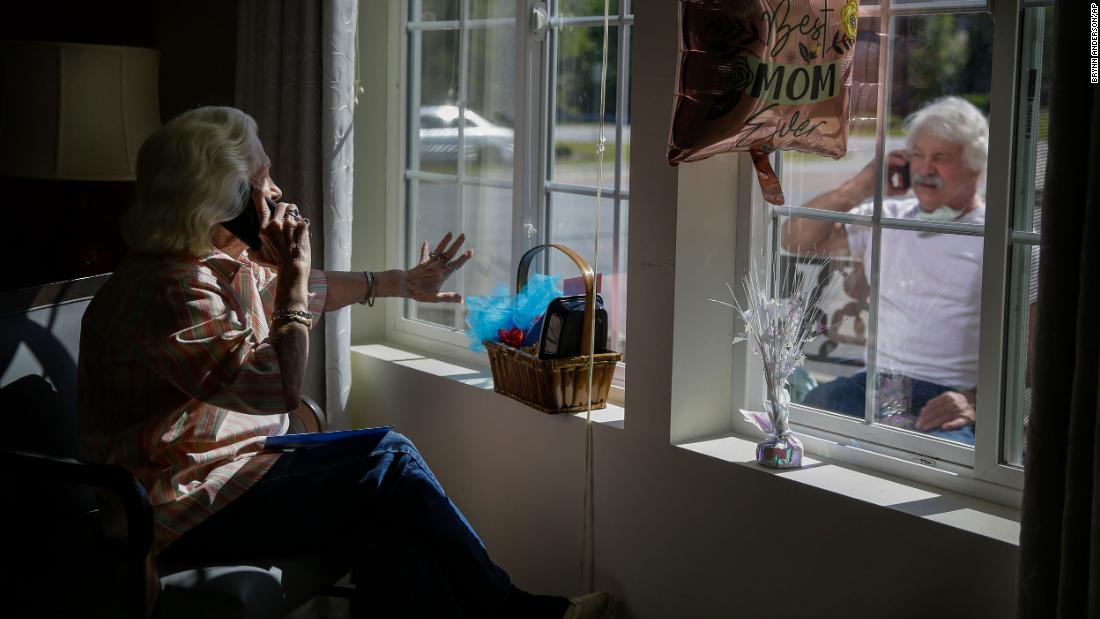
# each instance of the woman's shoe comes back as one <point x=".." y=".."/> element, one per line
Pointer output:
<point x="599" y="605"/>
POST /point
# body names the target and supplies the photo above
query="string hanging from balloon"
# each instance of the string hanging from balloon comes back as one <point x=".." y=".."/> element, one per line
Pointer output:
<point x="588" y="555"/>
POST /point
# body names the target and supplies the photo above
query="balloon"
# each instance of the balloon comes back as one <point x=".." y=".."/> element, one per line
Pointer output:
<point x="760" y="76"/>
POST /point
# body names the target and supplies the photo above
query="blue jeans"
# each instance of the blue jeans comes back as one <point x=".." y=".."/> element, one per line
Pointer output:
<point x="374" y="506"/>
<point x="847" y="395"/>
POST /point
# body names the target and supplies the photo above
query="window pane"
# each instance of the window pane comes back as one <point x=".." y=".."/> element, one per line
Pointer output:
<point x="805" y="175"/>
<point x="928" y="289"/>
<point x="483" y="9"/>
<point x="433" y="210"/>
<point x="491" y="100"/>
<point x="941" y="4"/>
<point x="1024" y="293"/>
<point x="587" y="8"/>
<point x="1035" y="75"/>
<point x="835" y="360"/>
<point x="577" y="106"/>
<point x="937" y="56"/>
<point x="485" y="215"/>
<point x="487" y="221"/>
<point x="929" y="304"/>
<point x="434" y="141"/>
<point x="437" y="10"/>
<point x="573" y="223"/>
<point x="932" y="5"/>
<point x="927" y="336"/>
<point x="624" y="183"/>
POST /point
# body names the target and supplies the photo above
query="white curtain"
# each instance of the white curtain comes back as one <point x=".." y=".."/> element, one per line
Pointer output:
<point x="296" y="77"/>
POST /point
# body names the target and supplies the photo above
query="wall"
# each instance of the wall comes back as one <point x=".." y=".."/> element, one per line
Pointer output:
<point x="371" y="162"/>
<point x="72" y="226"/>
<point x="677" y="534"/>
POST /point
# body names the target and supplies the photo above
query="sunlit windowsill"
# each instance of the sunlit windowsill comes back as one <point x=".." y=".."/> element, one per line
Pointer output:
<point x="924" y="501"/>
<point x="468" y="374"/>
<point x="953" y="509"/>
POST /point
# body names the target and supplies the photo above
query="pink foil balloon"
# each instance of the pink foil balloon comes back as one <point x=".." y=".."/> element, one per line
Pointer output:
<point x="760" y="76"/>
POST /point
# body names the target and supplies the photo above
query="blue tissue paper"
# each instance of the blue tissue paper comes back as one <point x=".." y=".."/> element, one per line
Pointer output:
<point x="487" y="315"/>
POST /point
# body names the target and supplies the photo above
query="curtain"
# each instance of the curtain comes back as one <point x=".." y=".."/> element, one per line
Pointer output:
<point x="296" y="77"/>
<point x="1060" y="527"/>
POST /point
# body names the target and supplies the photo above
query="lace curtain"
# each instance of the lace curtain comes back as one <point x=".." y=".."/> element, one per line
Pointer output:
<point x="296" y="77"/>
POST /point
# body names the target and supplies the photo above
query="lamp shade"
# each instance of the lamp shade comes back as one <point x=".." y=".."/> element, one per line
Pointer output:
<point x="73" y="111"/>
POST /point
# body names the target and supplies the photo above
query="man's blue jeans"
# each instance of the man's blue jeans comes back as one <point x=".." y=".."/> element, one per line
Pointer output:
<point x="847" y="395"/>
<point x="376" y="508"/>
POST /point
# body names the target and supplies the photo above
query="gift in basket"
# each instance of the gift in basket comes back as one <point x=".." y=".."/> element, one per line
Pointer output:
<point x="553" y="377"/>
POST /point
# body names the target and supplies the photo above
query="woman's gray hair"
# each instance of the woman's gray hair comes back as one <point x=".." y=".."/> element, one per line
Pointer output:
<point x="190" y="176"/>
<point x="957" y="120"/>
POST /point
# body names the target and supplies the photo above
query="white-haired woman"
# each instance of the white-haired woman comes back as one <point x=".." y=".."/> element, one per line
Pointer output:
<point x="195" y="349"/>
<point x="929" y="284"/>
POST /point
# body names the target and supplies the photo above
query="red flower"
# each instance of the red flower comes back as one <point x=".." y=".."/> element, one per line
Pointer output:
<point x="512" y="337"/>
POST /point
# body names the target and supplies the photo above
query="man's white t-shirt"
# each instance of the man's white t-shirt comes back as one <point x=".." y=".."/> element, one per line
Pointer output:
<point x="929" y="296"/>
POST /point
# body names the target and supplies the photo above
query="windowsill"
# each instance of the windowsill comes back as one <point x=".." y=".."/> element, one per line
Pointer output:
<point x="956" y="510"/>
<point x="462" y="372"/>
<point x="948" y="508"/>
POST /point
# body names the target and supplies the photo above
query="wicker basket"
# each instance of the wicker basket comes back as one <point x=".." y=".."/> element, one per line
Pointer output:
<point x="554" y="385"/>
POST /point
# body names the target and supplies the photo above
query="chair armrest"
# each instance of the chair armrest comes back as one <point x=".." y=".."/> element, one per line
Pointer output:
<point x="308" y="417"/>
<point x="115" y="479"/>
<point x="122" y="485"/>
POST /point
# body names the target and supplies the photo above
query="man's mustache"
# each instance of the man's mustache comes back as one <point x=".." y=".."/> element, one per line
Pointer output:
<point x="931" y="180"/>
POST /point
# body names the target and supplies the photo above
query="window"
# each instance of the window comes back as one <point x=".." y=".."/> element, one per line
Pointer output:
<point x="502" y="116"/>
<point x="1033" y="120"/>
<point x="928" y="303"/>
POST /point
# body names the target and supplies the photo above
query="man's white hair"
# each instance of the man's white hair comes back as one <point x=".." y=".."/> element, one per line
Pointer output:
<point x="191" y="174"/>
<point x="957" y="120"/>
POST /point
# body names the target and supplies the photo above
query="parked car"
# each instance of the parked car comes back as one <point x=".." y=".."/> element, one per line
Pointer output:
<point x="483" y="141"/>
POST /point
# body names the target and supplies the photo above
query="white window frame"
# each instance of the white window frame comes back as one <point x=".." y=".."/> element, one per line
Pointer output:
<point x="979" y="471"/>
<point x="531" y="184"/>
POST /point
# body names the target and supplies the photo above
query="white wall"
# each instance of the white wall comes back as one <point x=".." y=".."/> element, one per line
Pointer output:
<point x="369" y="214"/>
<point x="678" y="534"/>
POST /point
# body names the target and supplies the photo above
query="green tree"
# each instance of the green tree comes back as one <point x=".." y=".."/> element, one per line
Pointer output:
<point x="579" y="53"/>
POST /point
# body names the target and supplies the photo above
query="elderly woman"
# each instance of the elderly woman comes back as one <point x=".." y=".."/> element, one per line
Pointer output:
<point x="195" y="350"/>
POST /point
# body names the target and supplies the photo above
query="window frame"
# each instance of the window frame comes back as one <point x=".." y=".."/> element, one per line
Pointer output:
<point x="531" y="182"/>
<point x="981" y="471"/>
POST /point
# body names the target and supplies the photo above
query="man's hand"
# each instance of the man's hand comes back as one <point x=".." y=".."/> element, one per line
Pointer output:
<point x="895" y="185"/>
<point x="950" y="410"/>
<point x="864" y="181"/>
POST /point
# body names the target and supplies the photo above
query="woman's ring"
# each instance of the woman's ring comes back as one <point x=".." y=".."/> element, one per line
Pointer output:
<point x="451" y="268"/>
<point x="293" y="214"/>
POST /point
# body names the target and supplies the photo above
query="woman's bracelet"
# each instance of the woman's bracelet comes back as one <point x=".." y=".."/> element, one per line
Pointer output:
<point x="297" y="316"/>
<point x="369" y="299"/>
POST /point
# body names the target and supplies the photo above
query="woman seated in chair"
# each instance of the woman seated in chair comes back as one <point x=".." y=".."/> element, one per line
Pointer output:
<point x="193" y="353"/>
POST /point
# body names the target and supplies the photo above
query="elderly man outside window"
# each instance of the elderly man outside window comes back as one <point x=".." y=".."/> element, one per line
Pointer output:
<point x="929" y="283"/>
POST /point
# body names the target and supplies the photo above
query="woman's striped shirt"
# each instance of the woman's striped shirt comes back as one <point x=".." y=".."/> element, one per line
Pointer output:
<point x="178" y="383"/>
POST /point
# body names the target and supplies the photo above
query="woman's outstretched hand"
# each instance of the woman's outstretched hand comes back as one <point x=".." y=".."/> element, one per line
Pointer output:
<point x="424" y="281"/>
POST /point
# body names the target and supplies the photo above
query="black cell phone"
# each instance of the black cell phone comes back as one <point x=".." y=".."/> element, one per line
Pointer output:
<point x="903" y="176"/>
<point x="246" y="226"/>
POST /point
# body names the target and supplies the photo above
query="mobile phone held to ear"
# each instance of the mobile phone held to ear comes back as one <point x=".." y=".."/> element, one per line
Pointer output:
<point x="902" y="172"/>
<point x="246" y="226"/>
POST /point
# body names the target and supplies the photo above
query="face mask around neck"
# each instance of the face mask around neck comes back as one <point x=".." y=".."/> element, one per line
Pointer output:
<point x="943" y="213"/>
